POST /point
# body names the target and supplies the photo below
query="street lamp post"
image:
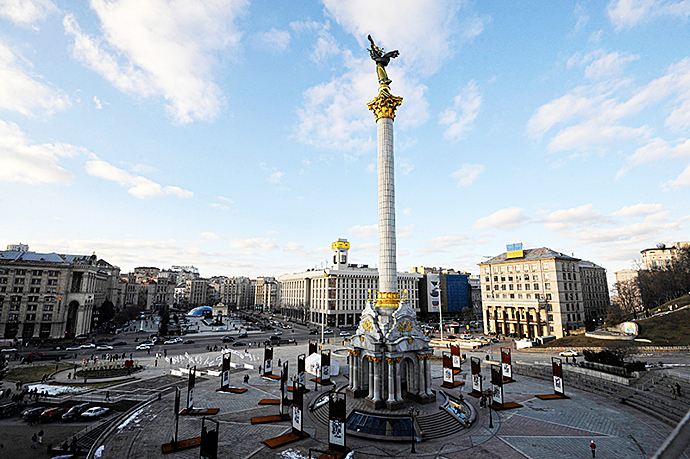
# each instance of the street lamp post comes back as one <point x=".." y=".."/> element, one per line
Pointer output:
<point x="413" y="412"/>
<point x="490" y="400"/>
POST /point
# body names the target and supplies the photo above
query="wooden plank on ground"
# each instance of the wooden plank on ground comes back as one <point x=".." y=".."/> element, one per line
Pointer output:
<point x="181" y="445"/>
<point x="552" y="397"/>
<point x="232" y="390"/>
<point x="285" y="439"/>
<point x="268" y="419"/>
<point x="199" y="411"/>
<point x="269" y="401"/>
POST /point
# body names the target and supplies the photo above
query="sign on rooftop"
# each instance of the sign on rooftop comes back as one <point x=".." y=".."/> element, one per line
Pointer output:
<point x="514" y="250"/>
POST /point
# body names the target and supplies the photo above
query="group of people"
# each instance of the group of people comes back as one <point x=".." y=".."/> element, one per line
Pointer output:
<point x="675" y="391"/>
<point x="37" y="438"/>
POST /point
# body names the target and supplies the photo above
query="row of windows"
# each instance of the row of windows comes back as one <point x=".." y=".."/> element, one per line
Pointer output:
<point x="517" y="268"/>
<point x="29" y="317"/>
<point x="518" y="277"/>
<point x="547" y="286"/>
<point x="519" y="296"/>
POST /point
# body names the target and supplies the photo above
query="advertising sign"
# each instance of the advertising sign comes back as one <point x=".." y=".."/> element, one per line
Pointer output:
<point x="225" y="377"/>
<point x="433" y="289"/>
<point x="557" y="366"/>
<point x="190" y="388"/>
<point x="325" y="366"/>
<point x="506" y="366"/>
<point x="476" y="374"/>
<point x="312" y="348"/>
<point x="336" y="423"/>
<point x="297" y="403"/>
<point x="301" y="373"/>
<point x="268" y="361"/>
<point x="448" y="376"/>
<point x="455" y="354"/>
<point x="497" y="385"/>
<point x="283" y="385"/>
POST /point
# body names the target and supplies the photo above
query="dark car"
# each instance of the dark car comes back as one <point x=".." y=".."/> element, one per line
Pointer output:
<point x="120" y="343"/>
<point x="74" y="412"/>
<point x="313" y="331"/>
<point x="32" y="414"/>
<point x="9" y="409"/>
<point x="243" y="335"/>
<point x="51" y="414"/>
<point x="227" y="339"/>
<point x="188" y="341"/>
<point x="239" y="344"/>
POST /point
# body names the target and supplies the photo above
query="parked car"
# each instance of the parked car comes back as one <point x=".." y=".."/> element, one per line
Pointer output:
<point x="188" y="341"/>
<point x="51" y="414"/>
<point x="227" y="339"/>
<point x="9" y="409"/>
<point x="95" y="412"/>
<point x="569" y="353"/>
<point x="74" y="412"/>
<point x="32" y="414"/>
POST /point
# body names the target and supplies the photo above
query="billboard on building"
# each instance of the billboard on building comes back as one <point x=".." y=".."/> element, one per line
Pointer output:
<point x="433" y="289"/>
<point x="514" y="250"/>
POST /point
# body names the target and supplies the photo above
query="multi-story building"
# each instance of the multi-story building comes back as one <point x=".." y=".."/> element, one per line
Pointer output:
<point x="533" y="292"/>
<point x="444" y="288"/>
<point x="662" y="256"/>
<point x="196" y="292"/>
<point x="184" y="273"/>
<point x="476" y="293"/>
<point x="50" y="295"/>
<point x="234" y="293"/>
<point x="595" y="293"/>
<point x="267" y="294"/>
<point x="145" y="273"/>
<point x="337" y="296"/>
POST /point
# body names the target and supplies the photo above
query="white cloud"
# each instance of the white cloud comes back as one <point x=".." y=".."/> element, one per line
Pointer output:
<point x="161" y="48"/>
<point x="566" y="218"/>
<point x="405" y="232"/>
<point x="638" y="210"/>
<point x="602" y="65"/>
<point x="629" y="13"/>
<point x="442" y="243"/>
<point x="98" y="103"/>
<point x="461" y="116"/>
<point x="683" y="180"/>
<point x="364" y="231"/>
<point x="253" y="244"/>
<point x="21" y="92"/>
<point x="276" y="40"/>
<point x="26" y="11"/>
<point x="223" y="198"/>
<point x="138" y="186"/>
<point x="503" y="219"/>
<point x="407" y="212"/>
<point x="275" y="177"/>
<point x="210" y="236"/>
<point x="467" y="174"/>
<point x="216" y="205"/>
<point x="22" y="161"/>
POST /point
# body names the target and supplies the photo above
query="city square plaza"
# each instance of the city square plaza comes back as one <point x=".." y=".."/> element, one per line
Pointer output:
<point x="537" y="429"/>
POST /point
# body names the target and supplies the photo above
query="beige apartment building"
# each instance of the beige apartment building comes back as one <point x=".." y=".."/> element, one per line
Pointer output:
<point x="539" y="292"/>
<point x="267" y="292"/>
<point x="51" y="295"/>
<point x="662" y="256"/>
<point x="337" y="296"/>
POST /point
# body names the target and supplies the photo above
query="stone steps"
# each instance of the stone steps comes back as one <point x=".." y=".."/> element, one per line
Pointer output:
<point x="438" y="425"/>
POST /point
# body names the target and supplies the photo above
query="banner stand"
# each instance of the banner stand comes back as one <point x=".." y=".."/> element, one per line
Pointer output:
<point x="281" y="402"/>
<point x="498" y="398"/>
<point x="225" y="378"/>
<point x="176" y="444"/>
<point x="301" y="374"/>
<point x="449" y="381"/>
<point x="190" y="410"/>
<point x="558" y="384"/>
<point x="324" y="378"/>
<point x="476" y="367"/>
<point x="297" y="432"/>
<point x="506" y="365"/>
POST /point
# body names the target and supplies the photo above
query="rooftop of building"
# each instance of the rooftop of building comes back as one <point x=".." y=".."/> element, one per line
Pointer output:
<point x="530" y="254"/>
<point x="59" y="258"/>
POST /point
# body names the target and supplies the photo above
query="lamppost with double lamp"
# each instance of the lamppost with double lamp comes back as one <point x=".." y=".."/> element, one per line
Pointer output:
<point x="490" y="401"/>
<point x="413" y="412"/>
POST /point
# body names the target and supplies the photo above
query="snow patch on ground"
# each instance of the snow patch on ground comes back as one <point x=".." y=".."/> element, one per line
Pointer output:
<point x="49" y="389"/>
<point x="130" y="418"/>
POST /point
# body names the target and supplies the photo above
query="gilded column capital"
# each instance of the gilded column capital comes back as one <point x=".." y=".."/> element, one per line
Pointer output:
<point x="374" y="359"/>
<point x="384" y="104"/>
<point x="393" y="360"/>
<point x="424" y="356"/>
<point x="353" y="353"/>
<point x="387" y="299"/>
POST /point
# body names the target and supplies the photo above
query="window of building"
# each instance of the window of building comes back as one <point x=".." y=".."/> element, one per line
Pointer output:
<point x="488" y="287"/>
<point x="549" y="317"/>
<point x="53" y="273"/>
<point x="47" y="317"/>
<point x="519" y="295"/>
<point x="503" y="287"/>
<point x="495" y="278"/>
<point x="37" y="272"/>
<point x="31" y="307"/>
<point x="20" y="272"/>
<point x="495" y="270"/>
<point x="52" y="281"/>
<point x="503" y="278"/>
<point x="526" y="286"/>
<point x="31" y="317"/>
<point x="536" y="286"/>
<point x="18" y="289"/>
<point x="534" y="267"/>
<point x="519" y="286"/>
<point x="3" y="280"/>
<point x="512" y="295"/>
<point x="503" y="269"/>
<point x="548" y="296"/>
<point x="547" y="286"/>
<point x="517" y="268"/>
<point x="528" y="296"/>
<point x="535" y="277"/>
<point x="48" y="307"/>
<point x="13" y="317"/>
<point x="18" y="281"/>
<point x="510" y="286"/>
<point x="510" y="269"/>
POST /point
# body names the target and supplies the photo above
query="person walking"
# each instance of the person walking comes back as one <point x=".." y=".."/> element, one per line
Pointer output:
<point x="673" y="392"/>
<point x="107" y="395"/>
<point x="678" y="390"/>
<point x="593" y="447"/>
<point x="33" y="441"/>
<point x="40" y="437"/>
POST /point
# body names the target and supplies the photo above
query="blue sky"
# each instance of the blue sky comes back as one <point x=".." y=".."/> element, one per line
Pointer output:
<point x="234" y="135"/>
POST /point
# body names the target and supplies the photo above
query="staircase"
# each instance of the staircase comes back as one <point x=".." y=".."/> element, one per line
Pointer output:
<point x="438" y="425"/>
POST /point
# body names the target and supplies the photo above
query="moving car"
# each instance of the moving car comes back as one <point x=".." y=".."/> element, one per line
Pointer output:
<point x="277" y="332"/>
<point x="227" y="339"/>
<point x="188" y="341"/>
<point x="104" y="347"/>
<point x="51" y="414"/>
<point x="120" y="343"/>
<point x="243" y="335"/>
<point x="95" y="412"/>
<point x="9" y="409"/>
<point x="143" y="347"/>
<point x="344" y="333"/>
<point x="74" y="412"/>
<point x="173" y="341"/>
<point x="87" y="346"/>
<point x="569" y="353"/>
<point x="239" y="344"/>
<point x="328" y="331"/>
<point x="313" y="331"/>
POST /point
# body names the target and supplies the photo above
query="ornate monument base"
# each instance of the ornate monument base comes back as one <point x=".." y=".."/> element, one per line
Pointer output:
<point x="389" y="358"/>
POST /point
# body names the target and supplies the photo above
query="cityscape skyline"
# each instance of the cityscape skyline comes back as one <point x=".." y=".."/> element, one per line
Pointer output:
<point x="235" y="137"/>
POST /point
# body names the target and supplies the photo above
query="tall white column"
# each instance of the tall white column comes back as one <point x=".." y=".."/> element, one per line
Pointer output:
<point x="427" y="376"/>
<point x="388" y="273"/>
<point x="398" y="382"/>
<point x="391" y="380"/>
<point x="377" y="381"/>
<point x="354" y="377"/>
<point x="371" y="379"/>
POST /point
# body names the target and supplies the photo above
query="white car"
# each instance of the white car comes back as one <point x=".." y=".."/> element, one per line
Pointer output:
<point x="143" y="347"/>
<point x="12" y="349"/>
<point x="104" y="347"/>
<point x="94" y="412"/>
<point x="73" y="348"/>
<point x="569" y="353"/>
<point x="87" y="346"/>
<point x="344" y="333"/>
<point x="173" y="341"/>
